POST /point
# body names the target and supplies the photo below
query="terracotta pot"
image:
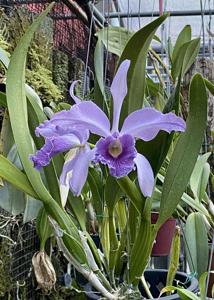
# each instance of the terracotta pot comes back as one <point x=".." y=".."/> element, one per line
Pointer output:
<point x="164" y="237"/>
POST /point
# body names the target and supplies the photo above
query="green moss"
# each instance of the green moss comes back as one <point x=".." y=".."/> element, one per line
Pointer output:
<point x="60" y="71"/>
<point x="5" y="280"/>
<point x="39" y="64"/>
<point x="40" y="79"/>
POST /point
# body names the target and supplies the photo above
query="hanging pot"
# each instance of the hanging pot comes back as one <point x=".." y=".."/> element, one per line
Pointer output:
<point x="164" y="236"/>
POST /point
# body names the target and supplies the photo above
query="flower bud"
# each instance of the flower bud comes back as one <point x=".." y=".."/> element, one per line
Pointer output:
<point x="44" y="271"/>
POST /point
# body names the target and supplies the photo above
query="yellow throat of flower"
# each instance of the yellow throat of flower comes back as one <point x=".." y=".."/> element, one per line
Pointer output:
<point x="115" y="148"/>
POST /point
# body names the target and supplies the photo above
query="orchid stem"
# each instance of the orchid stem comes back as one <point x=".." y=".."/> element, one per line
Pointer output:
<point x="132" y="192"/>
<point x="145" y="286"/>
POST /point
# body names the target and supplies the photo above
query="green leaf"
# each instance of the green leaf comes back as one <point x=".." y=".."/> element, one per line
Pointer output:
<point x="170" y="48"/>
<point x="32" y="208"/>
<point x="111" y="193"/>
<point x="99" y="69"/>
<point x="185" y="58"/>
<point x="4" y="58"/>
<point x="33" y="96"/>
<point x="3" y="100"/>
<point x="210" y="86"/>
<point x="187" y="199"/>
<point x="13" y="175"/>
<point x="63" y="105"/>
<point x="183" y="37"/>
<point x="156" y="150"/>
<point x="114" y="38"/>
<point x="7" y="140"/>
<point x="152" y="88"/>
<point x="174" y="257"/>
<point x="77" y="206"/>
<point x="186" y="150"/>
<point x="95" y="184"/>
<point x="17" y="106"/>
<point x="121" y="214"/>
<point x="204" y="182"/>
<point x="183" y="293"/>
<point x="136" y="50"/>
<point x="35" y="117"/>
<point x="11" y="199"/>
<point x="202" y="285"/>
<point x="143" y="244"/>
<point x="132" y="192"/>
<point x="196" y="243"/>
<point x="191" y="54"/>
<point x="199" y="177"/>
<point x="43" y="227"/>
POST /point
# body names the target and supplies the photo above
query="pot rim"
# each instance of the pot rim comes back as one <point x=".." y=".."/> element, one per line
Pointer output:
<point x="193" y="283"/>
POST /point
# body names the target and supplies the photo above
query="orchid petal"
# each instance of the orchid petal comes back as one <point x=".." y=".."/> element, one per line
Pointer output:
<point x="123" y="164"/>
<point x="65" y="177"/>
<point x="145" y="175"/>
<point x="147" y="122"/>
<point x="53" y="146"/>
<point x="119" y="91"/>
<point x="59" y="125"/>
<point x="77" y="170"/>
<point x="88" y="115"/>
<point x="71" y="91"/>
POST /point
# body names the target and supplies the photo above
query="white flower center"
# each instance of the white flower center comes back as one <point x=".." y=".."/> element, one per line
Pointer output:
<point x="115" y="148"/>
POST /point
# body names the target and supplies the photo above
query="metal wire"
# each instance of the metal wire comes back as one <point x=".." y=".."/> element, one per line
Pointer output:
<point x="139" y="9"/>
<point x="202" y="22"/>
<point x="88" y="51"/>
<point x="107" y="44"/>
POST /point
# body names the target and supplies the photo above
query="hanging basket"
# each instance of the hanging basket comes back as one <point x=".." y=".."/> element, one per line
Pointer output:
<point x="164" y="237"/>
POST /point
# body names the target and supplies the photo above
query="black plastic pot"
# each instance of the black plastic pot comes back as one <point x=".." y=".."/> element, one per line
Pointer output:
<point x="157" y="281"/>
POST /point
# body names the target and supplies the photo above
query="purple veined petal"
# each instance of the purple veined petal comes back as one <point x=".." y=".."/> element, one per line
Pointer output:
<point x="147" y="122"/>
<point x="119" y="91"/>
<point x="79" y="167"/>
<point x="62" y="126"/>
<point x="49" y="128"/>
<point x="46" y="129"/>
<point x="121" y="165"/>
<point x="88" y="115"/>
<point x="53" y="146"/>
<point x="145" y="175"/>
<point x="71" y="91"/>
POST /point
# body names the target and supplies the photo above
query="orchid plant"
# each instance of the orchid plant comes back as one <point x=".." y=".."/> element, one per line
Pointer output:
<point x="70" y="130"/>
<point x="117" y="156"/>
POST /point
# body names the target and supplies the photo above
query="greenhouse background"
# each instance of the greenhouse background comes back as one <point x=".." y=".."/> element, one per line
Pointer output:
<point x="63" y="50"/>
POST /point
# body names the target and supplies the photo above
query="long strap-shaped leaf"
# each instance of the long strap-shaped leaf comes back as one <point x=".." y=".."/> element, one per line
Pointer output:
<point x="136" y="50"/>
<point x="186" y="151"/>
<point x="196" y="243"/>
<point x="17" y="106"/>
<point x="13" y="175"/>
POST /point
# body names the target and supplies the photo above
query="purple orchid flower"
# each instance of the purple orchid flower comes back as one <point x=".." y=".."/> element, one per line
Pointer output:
<point x="115" y="148"/>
